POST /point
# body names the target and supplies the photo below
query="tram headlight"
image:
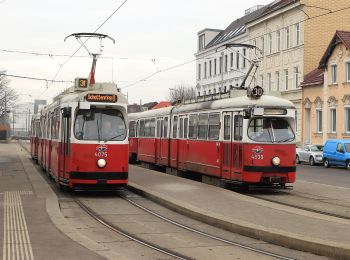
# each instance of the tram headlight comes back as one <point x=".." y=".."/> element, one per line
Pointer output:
<point x="276" y="161"/>
<point x="101" y="163"/>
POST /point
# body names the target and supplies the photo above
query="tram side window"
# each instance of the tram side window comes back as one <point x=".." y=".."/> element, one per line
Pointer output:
<point x="165" y="128"/>
<point x="147" y="128"/>
<point x="132" y="129"/>
<point x="227" y="127"/>
<point x="142" y="128"/>
<point x="238" y="127"/>
<point x="181" y="128"/>
<point x="185" y="128"/>
<point x="175" y="127"/>
<point x="48" y="127"/>
<point x="203" y="126"/>
<point x="214" y="126"/>
<point x="152" y="127"/>
<point x="159" y="127"/>
<point x="53" y="122"/>
<point x="193" y="127"/>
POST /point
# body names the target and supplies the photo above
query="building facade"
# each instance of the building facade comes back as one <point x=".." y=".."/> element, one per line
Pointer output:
<point x="278" y="33"/>
<point x="326" y="104"/>
<point x="221" y="68"/>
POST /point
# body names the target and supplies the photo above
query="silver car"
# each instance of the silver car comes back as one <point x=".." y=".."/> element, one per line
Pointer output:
<point x="313" y="154"/>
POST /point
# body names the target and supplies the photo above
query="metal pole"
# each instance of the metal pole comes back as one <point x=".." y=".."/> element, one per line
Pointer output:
<point x="13" y="122"/>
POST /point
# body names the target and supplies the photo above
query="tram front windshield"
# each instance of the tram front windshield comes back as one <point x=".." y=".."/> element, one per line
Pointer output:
<point x="270" y="130"/>
<point x="99" y="124"/>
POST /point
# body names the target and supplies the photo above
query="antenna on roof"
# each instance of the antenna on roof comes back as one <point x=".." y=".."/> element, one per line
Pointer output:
<point x="79" y="36"/>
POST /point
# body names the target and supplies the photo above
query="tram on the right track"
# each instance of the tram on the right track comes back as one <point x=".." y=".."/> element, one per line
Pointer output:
<point x="242" y="140"/>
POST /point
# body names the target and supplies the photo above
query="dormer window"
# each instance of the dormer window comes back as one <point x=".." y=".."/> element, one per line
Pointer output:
<point x="201" y="42"/>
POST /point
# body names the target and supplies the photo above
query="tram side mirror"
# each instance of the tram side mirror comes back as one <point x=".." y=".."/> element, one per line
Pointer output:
<point x="67" y="112"/>
<point x="247" y="113"/>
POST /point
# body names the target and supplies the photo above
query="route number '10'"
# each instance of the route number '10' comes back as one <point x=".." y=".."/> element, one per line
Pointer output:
<point x="257" y="91"/>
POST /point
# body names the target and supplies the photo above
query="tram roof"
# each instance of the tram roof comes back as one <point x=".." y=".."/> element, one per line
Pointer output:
<point x="72" y="95"/>
<point x="227" y="103"/>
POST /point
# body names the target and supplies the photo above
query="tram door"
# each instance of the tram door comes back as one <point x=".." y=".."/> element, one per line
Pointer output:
<point x="183" y="144"/>
<point x="174" y="143"/>
<point x="65" y="141"/>
<point x="232" y="146"/>
<point x="162" y="141"/>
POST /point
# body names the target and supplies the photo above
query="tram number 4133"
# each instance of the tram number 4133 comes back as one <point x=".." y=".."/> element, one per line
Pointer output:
<point x="258" y="156"/>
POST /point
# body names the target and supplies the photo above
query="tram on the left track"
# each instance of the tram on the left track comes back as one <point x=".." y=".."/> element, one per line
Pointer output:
<point x="81" y="139"/>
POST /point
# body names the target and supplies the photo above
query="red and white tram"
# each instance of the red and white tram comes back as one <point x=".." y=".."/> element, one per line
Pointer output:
<point x="81" y="138"/>
<point x="242" y="140"/>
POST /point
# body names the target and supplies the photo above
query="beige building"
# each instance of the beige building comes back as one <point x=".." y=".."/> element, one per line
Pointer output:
<point x="326" y="94"/>
<point x="292" y="35"/>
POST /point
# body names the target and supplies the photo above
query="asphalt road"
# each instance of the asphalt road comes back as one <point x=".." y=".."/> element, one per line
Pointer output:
<point x="339" y="177"/>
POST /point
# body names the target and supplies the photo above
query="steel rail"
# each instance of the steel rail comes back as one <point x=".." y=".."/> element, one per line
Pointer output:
<point x="112" y="227"/>
<point x="204" y="233"/>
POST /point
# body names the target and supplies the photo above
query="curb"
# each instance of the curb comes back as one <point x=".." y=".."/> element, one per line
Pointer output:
<point x="274" y="236"/>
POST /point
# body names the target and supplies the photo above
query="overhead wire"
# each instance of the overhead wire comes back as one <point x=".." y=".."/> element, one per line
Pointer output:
<point x="182" y="64"/>
<point x="71" y="56"/>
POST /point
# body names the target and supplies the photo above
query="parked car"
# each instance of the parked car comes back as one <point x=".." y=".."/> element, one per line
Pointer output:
<point x="311" y="154"/>
<point x="336" y="152"/>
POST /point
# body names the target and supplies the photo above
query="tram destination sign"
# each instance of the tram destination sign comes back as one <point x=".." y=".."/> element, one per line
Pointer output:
<point x="108" y="98"/>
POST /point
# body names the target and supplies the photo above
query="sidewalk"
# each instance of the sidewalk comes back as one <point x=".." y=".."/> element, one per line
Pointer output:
<point x="33" y="226"/>
<point x="282" y="225"/>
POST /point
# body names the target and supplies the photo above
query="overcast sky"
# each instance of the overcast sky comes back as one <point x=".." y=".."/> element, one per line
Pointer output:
<point x="162" y="30"/>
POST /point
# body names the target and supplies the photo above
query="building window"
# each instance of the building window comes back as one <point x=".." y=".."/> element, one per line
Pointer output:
<point x="296" y="77"/>
<point x="277" y="80"/>
<point x="220" y="65"/>
<point x="347" y="119"/>
<point x="262" y="81"/>
<point x="237" y="60"/>
<point x="205" y="70"/>
<point x="297" y="34"/>
<point x="201" y="42"/>
<point x="347" y="65"/>
<point x="262" y="43"/>
<point x="278" y="40"/>
<point x="269" y="81"/>
<point x="270" y="43"/>
<point x="226" y="60"/>
<point x="287" y="38"/>
<point x="214" y="66"/>
<point x="199" y="71"/>
<point x="231" y="56"/>
<point x="319" y="121"/>
<point x="244" y="57"/>
<point x="210" y="68"/>
<point x="286" y="79"/>
<point x="333" y="120"/>
<point x="334" y="73"/>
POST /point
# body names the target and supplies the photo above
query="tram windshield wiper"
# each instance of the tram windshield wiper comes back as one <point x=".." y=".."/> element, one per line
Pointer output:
<point x="285" y="140"/>
<point x="110" y="139"/>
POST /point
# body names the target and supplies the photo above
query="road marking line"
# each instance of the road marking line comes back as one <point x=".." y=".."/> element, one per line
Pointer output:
<point x="16" y="244"/>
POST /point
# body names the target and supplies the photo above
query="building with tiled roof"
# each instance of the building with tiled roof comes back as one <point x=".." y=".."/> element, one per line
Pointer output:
<point x="326" y="94"/>
<point x="219" y="69"/>
<point x="292" y="35"/>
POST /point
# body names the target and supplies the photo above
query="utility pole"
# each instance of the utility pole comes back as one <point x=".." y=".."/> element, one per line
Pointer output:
<point x="13" y="122"/>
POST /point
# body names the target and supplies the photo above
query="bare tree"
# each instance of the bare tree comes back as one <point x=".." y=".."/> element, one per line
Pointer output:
<point x="8" y="97"/>
<point x="181" y="93"/>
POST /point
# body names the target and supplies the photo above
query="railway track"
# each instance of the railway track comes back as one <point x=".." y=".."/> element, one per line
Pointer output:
<point x="329" y="209"/>
<point x="125" y="195"/>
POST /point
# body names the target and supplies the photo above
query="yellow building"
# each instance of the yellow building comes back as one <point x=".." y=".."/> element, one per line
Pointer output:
<point x="326" y="94"/>
<point x="293" y="35"/>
